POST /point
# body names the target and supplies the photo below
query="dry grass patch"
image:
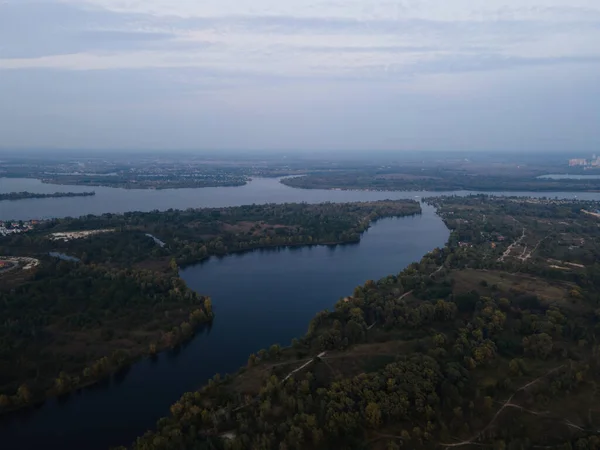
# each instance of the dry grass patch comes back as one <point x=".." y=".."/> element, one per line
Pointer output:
<point x="487" y="282"/>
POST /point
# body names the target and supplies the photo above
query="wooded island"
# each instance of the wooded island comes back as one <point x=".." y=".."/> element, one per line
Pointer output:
<point x="24" y="195"/>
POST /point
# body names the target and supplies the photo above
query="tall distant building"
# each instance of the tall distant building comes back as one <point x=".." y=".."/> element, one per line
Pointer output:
<point x="594" y="162"/>
<point x="577" y="162"/>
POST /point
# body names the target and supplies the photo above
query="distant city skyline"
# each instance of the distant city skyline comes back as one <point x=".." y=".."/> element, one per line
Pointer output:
<point x="227" y="75"/>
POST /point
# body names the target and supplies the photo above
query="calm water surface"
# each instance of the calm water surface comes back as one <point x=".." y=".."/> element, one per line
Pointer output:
<point x="259" y="191"/>
<point x="260" y="298"/>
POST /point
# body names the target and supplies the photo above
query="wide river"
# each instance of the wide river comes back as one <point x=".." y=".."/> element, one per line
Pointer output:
<point x="259" y="190"/>
<point x="260" y="298"/>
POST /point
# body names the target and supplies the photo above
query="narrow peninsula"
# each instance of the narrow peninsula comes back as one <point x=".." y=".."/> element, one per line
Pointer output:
<point x="12" y="196"/>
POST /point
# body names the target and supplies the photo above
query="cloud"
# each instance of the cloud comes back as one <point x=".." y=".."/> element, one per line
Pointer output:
<point x="132" y="34"/>
<point x="39" y="29"/>
<point x="279" y="60"/>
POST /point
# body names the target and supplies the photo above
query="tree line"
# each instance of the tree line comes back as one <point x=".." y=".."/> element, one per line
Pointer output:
<point x="24" y="195"/>
<point x="69" y="324"/>
<point x="465" y="348"/>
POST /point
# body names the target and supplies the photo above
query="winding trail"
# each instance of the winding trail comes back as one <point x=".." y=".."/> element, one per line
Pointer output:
<point x="306" y="364"/>
<point x="507" y="404"/>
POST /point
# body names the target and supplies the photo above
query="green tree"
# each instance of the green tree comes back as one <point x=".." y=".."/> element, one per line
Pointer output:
<point x="208" y="306"/>
<point x="274" y="351"/>
<point x="373" y="415"/>
<point x="538" y="345"/>
<point x="252" y="360"/>
<point x="24" y="394"/>
<point x="392" y="445"/>
<point x="63" y="382"/>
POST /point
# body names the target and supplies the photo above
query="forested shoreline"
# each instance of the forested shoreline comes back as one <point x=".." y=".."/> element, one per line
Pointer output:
<point x="62" y="346"/>
<point x="428" y="358"/>
<point x="194" y="235"/>
<point x="436" y="180"/>
<point x="12" y="196"/>
<point x="70" y="324"/>
<point x="133" y="182"/>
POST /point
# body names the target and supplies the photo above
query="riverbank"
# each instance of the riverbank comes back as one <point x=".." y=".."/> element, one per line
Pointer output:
<point x="422" y="347"/>
<point x="101" y="336"/>
<point x="128" y="315"/>
<point x="66" y="385"/>
<point x="259" y="297"/>
<point x="14" y="196"/>
<point x="144" y="183"/>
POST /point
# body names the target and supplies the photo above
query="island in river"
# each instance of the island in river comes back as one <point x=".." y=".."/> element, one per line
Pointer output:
<point x="124" y="298"/>
<point x="490" y="341"/>
<point x="25" y="195"/>
<point x="443" y="178"/>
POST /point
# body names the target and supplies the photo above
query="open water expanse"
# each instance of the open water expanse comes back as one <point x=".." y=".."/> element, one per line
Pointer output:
<point x="259" y="190"/>
<point x="260" y="298"/>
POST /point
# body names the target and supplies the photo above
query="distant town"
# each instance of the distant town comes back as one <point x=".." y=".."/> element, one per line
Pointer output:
<point x="594" y="162"/>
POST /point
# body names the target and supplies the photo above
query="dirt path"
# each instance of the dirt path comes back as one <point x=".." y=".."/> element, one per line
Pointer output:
<point x="507" y="404"/>
<point x="406" y="294"/>
<point x="320" y="355"/>
<point x="510" y="247"/>
<point x="438" y="269"/>
<point x="524" y="257"/>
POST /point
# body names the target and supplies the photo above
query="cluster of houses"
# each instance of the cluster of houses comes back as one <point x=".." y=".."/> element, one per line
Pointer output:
<point x="8" y="228"/>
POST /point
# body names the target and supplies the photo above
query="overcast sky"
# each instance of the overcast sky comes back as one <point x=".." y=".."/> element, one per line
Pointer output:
<point x="301" y="74"/>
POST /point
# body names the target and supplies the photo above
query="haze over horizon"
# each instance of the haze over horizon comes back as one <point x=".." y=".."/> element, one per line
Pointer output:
<point x="268" y="75"/>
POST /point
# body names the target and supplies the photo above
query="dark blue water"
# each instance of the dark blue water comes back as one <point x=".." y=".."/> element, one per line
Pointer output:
<point x="260" y="298"/>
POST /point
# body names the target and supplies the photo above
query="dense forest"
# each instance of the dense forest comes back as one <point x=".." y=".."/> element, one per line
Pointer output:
<point x="137" y="181"/>
<point x="195" y="234"/>
<point x="488" y="342"/>
<point x="71" y="324"/>
<point x="24" y="195"/>
<point x="437" y="179"/>
<point x="118" y="296"/>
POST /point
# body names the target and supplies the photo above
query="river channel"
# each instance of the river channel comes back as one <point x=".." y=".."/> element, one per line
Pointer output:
<point x="260" y="298"/>
<point x="259" y="191"/>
